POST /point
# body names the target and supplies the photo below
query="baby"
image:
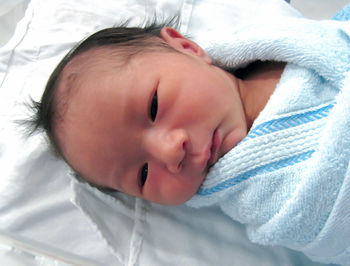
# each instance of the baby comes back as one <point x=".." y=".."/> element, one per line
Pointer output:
<point x="147" y="113"/>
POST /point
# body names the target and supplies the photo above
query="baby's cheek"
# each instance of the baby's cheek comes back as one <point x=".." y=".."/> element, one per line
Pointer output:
<point x="187" y="187"/>
<point x="158" y="185"/>
<point x="169" y="189"/>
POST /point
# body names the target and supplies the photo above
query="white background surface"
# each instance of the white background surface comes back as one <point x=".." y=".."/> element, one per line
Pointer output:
<point x="319" y="9"/>
<point x="316" y="9"/>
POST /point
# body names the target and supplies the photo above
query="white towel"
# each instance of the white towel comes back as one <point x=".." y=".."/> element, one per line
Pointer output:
<point x="288" y="180"/>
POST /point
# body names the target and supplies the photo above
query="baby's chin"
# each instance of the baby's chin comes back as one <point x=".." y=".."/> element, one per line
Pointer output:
<point x="179" y="199"/>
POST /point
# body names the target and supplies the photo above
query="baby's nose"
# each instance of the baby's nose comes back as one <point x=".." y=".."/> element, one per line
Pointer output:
<point x="170" y="149"/>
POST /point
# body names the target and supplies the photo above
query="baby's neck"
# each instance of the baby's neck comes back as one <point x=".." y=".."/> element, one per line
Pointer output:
<point x="257" y="85"/>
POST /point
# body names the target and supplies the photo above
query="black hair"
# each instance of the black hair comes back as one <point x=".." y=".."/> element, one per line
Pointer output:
<point x="131" y="40"/>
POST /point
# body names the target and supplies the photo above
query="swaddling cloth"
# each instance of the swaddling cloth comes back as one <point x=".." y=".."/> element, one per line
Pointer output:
<point x="288" y="180"/>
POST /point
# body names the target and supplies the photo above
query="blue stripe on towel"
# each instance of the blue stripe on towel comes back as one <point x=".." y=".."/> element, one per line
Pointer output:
<point x="268" y="168"/>
<point x="288" y="122"/>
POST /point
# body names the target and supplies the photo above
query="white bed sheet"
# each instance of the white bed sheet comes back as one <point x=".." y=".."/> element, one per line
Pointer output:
<point x="35" y="188"/>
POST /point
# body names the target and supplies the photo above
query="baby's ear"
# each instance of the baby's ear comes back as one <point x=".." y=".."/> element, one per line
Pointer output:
<point x="182" y="44"/>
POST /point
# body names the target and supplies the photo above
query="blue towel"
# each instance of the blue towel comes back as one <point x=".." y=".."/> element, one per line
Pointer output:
<point x="289" y="179"/>
<point x="343" y="14"/>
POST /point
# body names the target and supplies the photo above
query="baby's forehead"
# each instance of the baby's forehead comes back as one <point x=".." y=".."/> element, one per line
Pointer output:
<point x="93" y="66"/>
<point x="90" y="60"/>
<point x="74" y="77"/>
<point x="81" y="67"/>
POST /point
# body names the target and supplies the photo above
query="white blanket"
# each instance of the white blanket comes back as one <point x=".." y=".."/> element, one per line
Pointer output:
<point x="289" y="179"/>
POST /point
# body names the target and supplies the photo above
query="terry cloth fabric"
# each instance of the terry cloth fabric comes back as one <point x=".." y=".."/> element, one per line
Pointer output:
<point x="289" y="179"/>
<point x="343" y="14"/>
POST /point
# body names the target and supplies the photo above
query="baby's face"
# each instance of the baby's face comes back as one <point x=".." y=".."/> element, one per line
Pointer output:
<point x="153" y="129"/>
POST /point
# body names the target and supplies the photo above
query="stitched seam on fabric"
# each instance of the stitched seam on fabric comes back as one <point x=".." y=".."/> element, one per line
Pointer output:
<point x="87" y="213"/>
<point x="108" y="198"/>
<point x="299" y="137"/>
<point x="268" y="160"/>
<point x="265" y="129"/>
<point x="136" y="237"/>
<point x="268" y="168"/>
<point x="288" y="122"/>
<point x="255" y="153"/>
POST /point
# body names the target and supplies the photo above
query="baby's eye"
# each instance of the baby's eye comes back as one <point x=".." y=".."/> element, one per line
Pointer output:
<point x="153" y="107"/>
<point x="143" y="175"/>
